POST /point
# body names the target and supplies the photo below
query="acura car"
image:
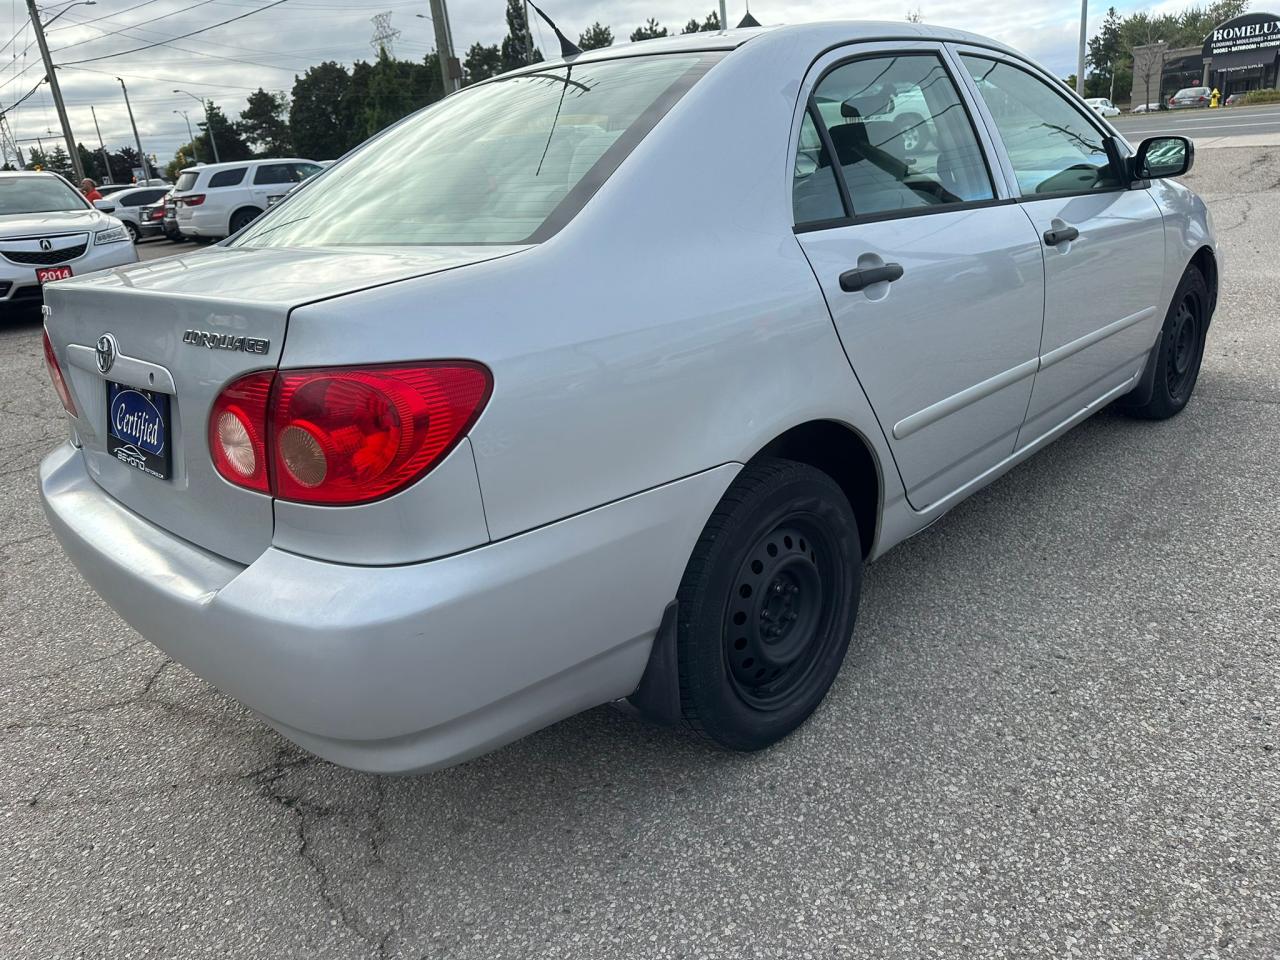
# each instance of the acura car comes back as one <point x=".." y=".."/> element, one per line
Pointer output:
<point x="48" y="232"/>
<point x="602" y="380"/>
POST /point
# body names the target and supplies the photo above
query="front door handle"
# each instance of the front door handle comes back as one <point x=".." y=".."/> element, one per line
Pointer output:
<point x="852" y="281"/>
<point x="1060" y="235"/>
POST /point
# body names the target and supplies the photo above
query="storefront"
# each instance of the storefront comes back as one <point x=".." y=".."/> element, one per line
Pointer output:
<point x="1241" y="54"/>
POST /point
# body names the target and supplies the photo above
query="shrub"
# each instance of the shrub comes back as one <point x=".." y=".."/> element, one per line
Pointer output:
<point x="1261" y="96"/>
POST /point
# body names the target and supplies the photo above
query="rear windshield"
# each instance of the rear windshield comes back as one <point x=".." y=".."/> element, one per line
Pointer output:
<point x="506" y="161"/>
<point x="186" y="180"/>
<point x="37" y="195"/>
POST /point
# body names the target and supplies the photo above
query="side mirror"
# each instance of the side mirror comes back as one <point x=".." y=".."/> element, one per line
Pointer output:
<point x="106" y="206"/>
<point x="1160" y="157"/>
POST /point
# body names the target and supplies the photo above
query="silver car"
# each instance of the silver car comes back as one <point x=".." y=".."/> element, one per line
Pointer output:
<point x="49" y="232"/>
<point x="603" y="379"/>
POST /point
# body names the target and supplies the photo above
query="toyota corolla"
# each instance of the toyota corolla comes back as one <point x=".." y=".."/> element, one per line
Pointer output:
<point x="602" y="380"/>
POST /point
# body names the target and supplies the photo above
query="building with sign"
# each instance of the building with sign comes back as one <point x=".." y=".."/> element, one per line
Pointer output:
<point x="1237" y="56"/>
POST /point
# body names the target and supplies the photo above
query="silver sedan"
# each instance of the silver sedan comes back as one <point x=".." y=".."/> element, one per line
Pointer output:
<point x="603" y="379"/>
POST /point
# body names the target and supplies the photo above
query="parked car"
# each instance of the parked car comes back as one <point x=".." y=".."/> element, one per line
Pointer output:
<point x="170" y="221"/>
<point x="1234" y="99"/>
<point x="1189" y="97"/>
<point x="127" y="206"/>
<point x="151" y="219"/>
<point x="48" y="232"/>
<point x="1146" y="107"/>
<point x="473" y="433"/>
<point x="1103" y="107"/>
<point x="215" y="200"/>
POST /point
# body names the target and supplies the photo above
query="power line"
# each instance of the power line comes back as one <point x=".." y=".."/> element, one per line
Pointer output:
<point x="130" y="26"/>
<point x="184" y="36"/>
<point x="142" y="76"/>
<point x="26" y="96"/>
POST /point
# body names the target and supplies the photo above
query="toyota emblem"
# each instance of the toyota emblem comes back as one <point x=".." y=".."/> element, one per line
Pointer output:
<point x="106" y="352"/>
<point x="46" y="244"/>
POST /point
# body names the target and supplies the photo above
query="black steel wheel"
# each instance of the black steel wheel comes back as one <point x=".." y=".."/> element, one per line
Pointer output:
<point x="767" y="605"/>
<point x="1179" y="352"/>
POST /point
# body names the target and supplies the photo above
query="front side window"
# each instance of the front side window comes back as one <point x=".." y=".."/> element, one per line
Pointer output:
<point x="1052" y="147"/>
<point x="226" y="178"/>
<point x="275" y="173"/>
<point x="901" y="135"/>
<point x="491" y="164"/>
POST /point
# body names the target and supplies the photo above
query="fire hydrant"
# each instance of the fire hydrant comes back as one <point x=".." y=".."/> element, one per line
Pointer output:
<point x="1214" y="98"/>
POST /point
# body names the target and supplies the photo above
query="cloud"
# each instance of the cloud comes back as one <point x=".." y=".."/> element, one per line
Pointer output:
<point x="269" y="48"/>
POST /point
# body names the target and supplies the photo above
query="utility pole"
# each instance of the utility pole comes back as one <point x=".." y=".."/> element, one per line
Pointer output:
<point x="724" y="21"/>
<point x="102" y="147"/>
<point x="1084" y="27"/>
<point x="444" y="45"/>
<point x="38" y="27"/>
<point x="528" y="34"/>
<point x="146" y="167"/>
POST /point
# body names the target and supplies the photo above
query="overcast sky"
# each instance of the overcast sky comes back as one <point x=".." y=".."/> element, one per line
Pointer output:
<point x="267" y="49"/>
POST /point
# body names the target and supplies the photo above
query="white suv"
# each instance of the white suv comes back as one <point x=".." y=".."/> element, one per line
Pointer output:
<point x="218" y="199"/>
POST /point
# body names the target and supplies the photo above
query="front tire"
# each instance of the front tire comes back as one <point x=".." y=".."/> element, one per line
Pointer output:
<point x="1180" y="351"/>
<point x="767" y="605"/>
<point x="133" y="231"/>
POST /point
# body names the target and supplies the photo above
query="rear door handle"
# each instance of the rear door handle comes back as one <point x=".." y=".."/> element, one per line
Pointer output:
<point x="1060" y="235"/>
<point x="852" y="281"/>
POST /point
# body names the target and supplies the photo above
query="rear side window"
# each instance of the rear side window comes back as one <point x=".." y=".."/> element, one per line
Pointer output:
<point x="1052" y="146"/>
<point x="275" y="173"/>
<point x="815" y="196"/>
<point x="226" y="178"/>
<point x="510" y="160"/>
<point x="901" y="136"/>
<point x="186" y="180"/>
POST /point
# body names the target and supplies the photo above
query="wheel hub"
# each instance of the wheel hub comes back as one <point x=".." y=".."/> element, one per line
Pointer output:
<point x="775" y="614"/>
<point x="1184" y="343"/>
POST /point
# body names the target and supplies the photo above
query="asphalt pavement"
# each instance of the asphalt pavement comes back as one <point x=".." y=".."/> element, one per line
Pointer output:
<point x="1055" y="736"/>
<point x="1202" y="123"/>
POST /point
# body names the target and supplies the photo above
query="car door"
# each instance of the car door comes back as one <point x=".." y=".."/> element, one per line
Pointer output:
<point x="1103" y="243"/>
<point x="271" y="181"/>
<point x="933" y="276"/>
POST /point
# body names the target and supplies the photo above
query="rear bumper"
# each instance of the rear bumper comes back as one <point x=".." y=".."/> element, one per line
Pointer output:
<point x="203" y="223"/>
<point x="403" y="668"/>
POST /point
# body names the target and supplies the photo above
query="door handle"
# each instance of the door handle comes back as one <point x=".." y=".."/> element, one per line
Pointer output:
<point x="852" y="281"/>
<point x="1060" y="235"/>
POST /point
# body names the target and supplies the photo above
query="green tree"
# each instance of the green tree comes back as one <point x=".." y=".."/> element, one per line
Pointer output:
<point x="264" y="125"/>
<point x="397" y="88"/>
<point x="231" y="145"/>
<point x="516" y="48"/>
<point x="650" y="31"/>
<point x="59" y="161"/>
<point x="483" y="62"/>
<point x="595" y="36"/>
<point x="709" y="25"/>
<point x="319" y="121"/>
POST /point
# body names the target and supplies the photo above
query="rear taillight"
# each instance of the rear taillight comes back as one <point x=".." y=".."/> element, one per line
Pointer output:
<point x="55" y="374"/>
<point x="157" y="213"/>
<point x="238" y="431"/>
<point x="194" y="200"/>
<point x="343" y="435"/>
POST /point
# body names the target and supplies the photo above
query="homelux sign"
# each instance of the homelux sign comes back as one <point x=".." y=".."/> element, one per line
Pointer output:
<point x="1253" y="31"/>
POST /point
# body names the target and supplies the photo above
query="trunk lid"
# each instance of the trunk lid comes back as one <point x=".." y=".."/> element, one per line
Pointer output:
<point x="176" y="326"/>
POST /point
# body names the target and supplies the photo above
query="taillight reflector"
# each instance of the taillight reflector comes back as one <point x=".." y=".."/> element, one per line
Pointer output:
<point x="55" y="374"/>
<point x="194" y="200"/>
<point x="343" y="435"/>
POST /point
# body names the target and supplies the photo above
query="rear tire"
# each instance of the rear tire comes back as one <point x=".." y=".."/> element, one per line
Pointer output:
<point x="133" y="231"/>
<point x="242" y="218"/>
<point x="767" y="605"/>
<point x="1179" y="352"/>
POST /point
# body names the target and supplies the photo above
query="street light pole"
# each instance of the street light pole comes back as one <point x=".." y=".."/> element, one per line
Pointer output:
<point x="58" y="105"/>
<point x="146" y="167"/>
<point x="208" y="122"/>
<point x="191" y="137"/>
<point x="102" y="147"/>
<point x="1084" y="26"/>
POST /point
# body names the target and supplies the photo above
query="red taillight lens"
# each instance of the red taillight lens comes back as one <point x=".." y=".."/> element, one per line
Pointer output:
<point x="55" y="374"/>
<point x="194" y="200"/>
<point x="238" y="431"/>
<point x="157" y="213"/>
<point x="344" y="436"/>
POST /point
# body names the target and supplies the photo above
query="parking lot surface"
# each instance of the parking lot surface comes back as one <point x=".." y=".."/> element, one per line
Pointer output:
<point x="1055" y="736"/>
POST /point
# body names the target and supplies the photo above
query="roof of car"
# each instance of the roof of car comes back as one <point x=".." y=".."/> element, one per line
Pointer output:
<point x="234" y="164"/>
<point x="821" y="35"/>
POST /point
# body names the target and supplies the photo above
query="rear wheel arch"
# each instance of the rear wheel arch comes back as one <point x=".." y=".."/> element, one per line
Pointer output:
<point x="845" y="455"/>
<point x="252" y="211"/>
